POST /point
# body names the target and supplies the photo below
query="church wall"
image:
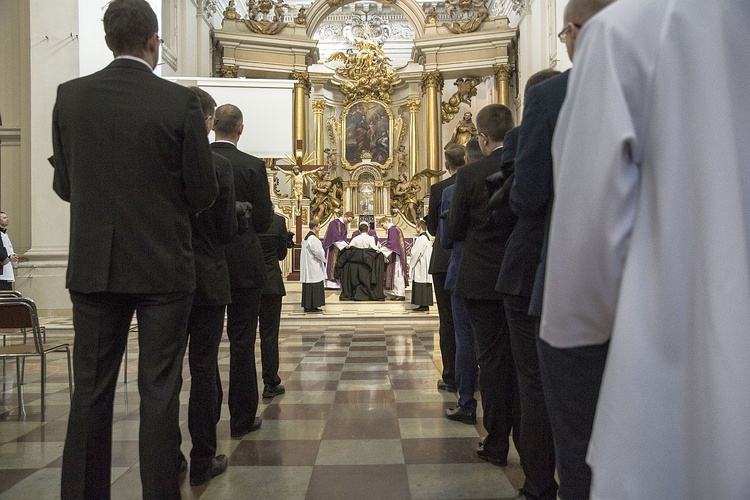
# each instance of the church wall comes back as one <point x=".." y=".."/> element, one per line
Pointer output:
<point x="14" y="130"/>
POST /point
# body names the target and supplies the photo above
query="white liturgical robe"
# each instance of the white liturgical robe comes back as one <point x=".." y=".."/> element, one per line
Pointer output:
<point x="649" y="244"/>
<point x="312" y="260"/>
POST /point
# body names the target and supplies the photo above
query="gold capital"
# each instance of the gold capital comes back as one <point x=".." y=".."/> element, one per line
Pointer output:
<point x="432" y="79"/>
<point x="229" y="70"/>
<point x="319" y="106"/>
<point x="413" y="105"/>
<point x="503" y="71"/>
<point x="303" y="80"/>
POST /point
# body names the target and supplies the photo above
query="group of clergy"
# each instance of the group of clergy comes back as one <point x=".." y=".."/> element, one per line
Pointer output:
<point x="319" y="258"/>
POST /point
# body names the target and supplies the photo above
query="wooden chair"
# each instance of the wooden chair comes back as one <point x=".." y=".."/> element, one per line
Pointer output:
<point x="18" y="313"/>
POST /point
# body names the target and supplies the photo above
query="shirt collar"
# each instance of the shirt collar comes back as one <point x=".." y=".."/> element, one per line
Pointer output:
<point x="133" y="58"/>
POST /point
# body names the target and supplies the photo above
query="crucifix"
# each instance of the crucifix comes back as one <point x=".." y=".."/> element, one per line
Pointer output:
<point x="297" y="174"/>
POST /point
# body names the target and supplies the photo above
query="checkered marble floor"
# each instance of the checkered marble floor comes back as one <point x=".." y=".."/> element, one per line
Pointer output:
<point x="361" y="418"/>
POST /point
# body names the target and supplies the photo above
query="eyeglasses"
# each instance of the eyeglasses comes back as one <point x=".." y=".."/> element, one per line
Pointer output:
<point x="563" y="35"/>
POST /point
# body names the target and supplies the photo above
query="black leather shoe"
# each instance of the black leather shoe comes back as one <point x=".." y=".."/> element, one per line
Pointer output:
<point x="460" y="414"/>
<point x="401" y="298"/>
<point x="218" y="466"/>
<point x="256" y="425"/>
<point x="421" y="309"/>
<point x="502" y="462"/>
<point x="273" y="391"/>
<point x="313" y="310"/>
<point x="182" y="465"/>
<point x="442" y="386"/>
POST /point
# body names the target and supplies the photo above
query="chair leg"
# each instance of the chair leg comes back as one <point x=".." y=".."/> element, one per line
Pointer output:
<point x="19" y="388"/>
<point x="44" y="376"/>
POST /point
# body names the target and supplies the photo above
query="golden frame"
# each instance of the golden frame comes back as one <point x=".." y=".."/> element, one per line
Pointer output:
<point x="363" y="130"/>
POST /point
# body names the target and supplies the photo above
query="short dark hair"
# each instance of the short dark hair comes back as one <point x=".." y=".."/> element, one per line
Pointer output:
<point x="473" y="151"/>
<point x="494" y="121"/>
<point x="348" y="214"/>
<point x="364" y="227"/>
<point x="422" y="224"/>
<point x="454" y="156"/>
<point x="228" y="119"/>
<point x="128" y="25"/>
<point x="313" y="224"/>
<point x="539" y="77"/>
<point x="208" y="105"/>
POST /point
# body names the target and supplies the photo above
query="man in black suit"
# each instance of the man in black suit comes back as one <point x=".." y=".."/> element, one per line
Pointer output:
<point x="212" y="229"/>
<point x="132" y="158"/>
<point x="484" y="242"/>
<point x="274" y="243"/>
<point x="247" y="272"/>
<point x="515" y="282"/>
<point x="454" y="158"/>
<point x="570" y="377"/>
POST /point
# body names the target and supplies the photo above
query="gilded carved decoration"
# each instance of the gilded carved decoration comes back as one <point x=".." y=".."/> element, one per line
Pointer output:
<point x="303" y="79"/>
<point x="432" y="79"/>
<point x="335" y="3"/>
<point x="301" y="16"/>
<point x="367" y="73"/>
<point x="430" y="13"/>
<point x="229" y="70"/>
<point x="466" y="15"/>
<point x="504" y="71"/>
<point x="230" y="13"/>
<point x="318" y="105"/>
<point x="413" y="105"/>
<point x="266" y="16"/>
<point x="467" y="88"/>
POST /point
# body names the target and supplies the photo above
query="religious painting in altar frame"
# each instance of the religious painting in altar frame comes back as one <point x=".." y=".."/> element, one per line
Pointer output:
<point x="367" y="134"/>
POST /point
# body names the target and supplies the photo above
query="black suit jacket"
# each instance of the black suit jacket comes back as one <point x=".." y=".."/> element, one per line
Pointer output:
<point x="245" y="255"/>
<point x="484" y="239"/>
<point x="273" y="241"/>
<point x="212" y="230"/>
<point x="132" y="157"/>
<point x="440" y="257"/>
<point x="531" y="194"/>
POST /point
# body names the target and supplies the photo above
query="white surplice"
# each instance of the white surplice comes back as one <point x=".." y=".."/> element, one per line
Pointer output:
<point x="650" y="244"/>
<point x="312" y="261"/>
<point x="421" y="253"/>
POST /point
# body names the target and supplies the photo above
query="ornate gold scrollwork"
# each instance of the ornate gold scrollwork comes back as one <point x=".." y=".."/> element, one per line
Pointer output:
<point x="318" y="105"/>
<point x="367" y="73"/>
<point x="467" y="88"/>
<point x="413" y="105"/>
<point x="466" y="15"/>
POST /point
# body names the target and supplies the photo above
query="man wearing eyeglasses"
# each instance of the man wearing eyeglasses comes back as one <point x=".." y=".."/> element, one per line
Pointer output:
<point x="570" y="377"/>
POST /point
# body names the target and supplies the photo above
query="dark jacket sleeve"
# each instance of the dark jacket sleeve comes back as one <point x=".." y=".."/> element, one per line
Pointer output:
<point x="61" y="182"/>
<point x="433" y="215"/>
<point x="198" y="174"/>
<point x="460" y="216"/>
<point x="261" y="196"/>
<point x="532" y="187"/>
<point x="223" y="211"/>
<point x="281" y="248"/>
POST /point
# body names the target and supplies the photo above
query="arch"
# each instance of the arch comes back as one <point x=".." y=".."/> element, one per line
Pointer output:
<point x="321" y="9"/>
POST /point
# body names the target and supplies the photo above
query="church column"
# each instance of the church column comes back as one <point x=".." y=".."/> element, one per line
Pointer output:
<point x="319" y="106"/>
<point x="432" y="85"/>
<point x="502" y="77"/>
<point x="301" y="93"/>
<point x="413" y="105"/>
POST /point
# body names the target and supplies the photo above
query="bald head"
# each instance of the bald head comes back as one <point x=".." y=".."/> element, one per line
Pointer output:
<point x="580" y="11"/>
<point x="228" y="122"/>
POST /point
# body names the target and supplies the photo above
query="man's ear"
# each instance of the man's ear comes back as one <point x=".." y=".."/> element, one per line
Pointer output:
<point x="241" y="129"/>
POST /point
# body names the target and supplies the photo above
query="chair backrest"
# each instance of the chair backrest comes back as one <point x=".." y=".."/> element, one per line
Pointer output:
<point x="19" y="313"/>
<point x="10" y="293"/>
